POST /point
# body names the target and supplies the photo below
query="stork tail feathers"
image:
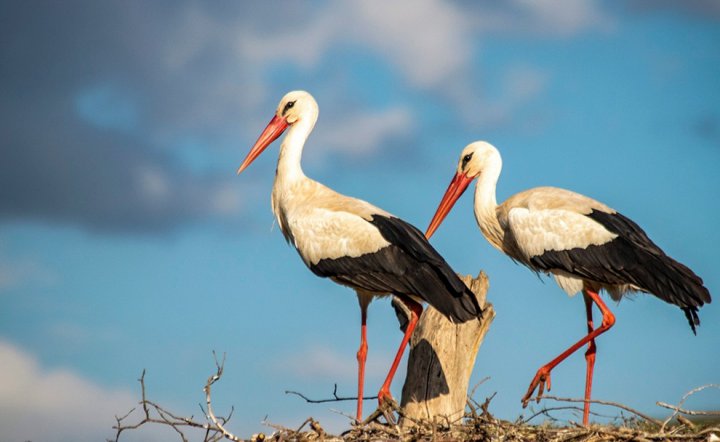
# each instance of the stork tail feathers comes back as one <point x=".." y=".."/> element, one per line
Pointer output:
<point x="691" y="313"/>
<point x="653" y="270"/>
<point x="461" y="305"/>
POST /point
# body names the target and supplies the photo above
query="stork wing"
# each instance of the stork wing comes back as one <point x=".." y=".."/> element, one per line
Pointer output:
<point x="406" y="265"/>
<point x="604" y="247"/>
<point x="537" y="232"/>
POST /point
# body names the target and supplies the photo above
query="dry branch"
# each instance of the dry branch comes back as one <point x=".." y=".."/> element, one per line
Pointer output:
<point x="152" y="413"/>
<point x="608" y="403"/>
<point x="210" y="414"/>
<point x="441" y="360"/>
<point x="688" y="412"/>
<point x="334" y="398"/>
<point x="682" y="401"/>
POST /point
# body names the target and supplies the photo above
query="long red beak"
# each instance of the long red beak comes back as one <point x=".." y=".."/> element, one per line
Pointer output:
<point x="456" y="188"/>
<point x="274" y="129"/>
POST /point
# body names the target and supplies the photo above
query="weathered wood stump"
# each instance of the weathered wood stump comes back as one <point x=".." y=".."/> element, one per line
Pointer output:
<point x="441" y="360"/>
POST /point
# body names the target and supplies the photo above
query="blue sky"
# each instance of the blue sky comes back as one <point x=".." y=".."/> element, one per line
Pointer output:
<point x="127" y="242"/>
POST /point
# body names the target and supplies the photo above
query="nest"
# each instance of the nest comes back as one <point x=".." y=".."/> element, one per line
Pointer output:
<point x="485" y="427"/>
<point x="478" y="424"/>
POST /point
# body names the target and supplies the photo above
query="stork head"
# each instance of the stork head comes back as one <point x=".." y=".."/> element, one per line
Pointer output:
<point x="295" y="106"/>
<point x="476" y="158"/>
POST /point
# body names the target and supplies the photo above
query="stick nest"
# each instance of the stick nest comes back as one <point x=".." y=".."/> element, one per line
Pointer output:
<point x="485" y="427"/>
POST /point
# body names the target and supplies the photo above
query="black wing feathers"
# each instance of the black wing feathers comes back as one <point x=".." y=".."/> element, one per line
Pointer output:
<point x="409" y="266"/>
<point x="631" y="258"/>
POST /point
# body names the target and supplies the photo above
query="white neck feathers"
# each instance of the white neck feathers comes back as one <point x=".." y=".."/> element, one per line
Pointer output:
<point x="288" y="167"/>
<point x="486" y="203"/>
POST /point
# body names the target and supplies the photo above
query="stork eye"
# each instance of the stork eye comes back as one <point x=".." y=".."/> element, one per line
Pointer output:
<point x="466" y="158"/>
<point x="288" y="106"/>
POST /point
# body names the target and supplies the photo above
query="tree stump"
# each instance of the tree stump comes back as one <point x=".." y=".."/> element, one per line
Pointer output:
<point x="442" y="356"/>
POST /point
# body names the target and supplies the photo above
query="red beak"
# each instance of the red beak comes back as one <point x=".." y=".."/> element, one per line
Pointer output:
<point x="274" y="129"/>
<point x="456" y="188"/>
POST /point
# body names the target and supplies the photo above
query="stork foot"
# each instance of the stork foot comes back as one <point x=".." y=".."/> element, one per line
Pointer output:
<point x="386" y="410"/>
<point x="387" y="406"/>
<point x="385" y="396"/>
<point x="541" y="381"/>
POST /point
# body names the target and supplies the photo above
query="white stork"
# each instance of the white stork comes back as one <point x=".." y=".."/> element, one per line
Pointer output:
<point x="353" y="242"/>
<point x="584" y="244"/>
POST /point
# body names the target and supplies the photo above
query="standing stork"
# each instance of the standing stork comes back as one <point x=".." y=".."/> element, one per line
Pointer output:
<point x="584" y="244"/>
<point x="353" y="242"/>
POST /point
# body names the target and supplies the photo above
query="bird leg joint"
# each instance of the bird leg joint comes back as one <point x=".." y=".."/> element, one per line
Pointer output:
<point x="362" y="352"/>
<point x="608" y="320"/>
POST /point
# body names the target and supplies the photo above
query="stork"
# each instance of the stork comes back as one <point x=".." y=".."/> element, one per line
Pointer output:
<point x="584" y="244"/>
<point x="353" y="242"/>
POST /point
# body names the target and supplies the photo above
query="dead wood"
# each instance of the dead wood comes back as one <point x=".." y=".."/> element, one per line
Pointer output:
<point x="441" y="359"/>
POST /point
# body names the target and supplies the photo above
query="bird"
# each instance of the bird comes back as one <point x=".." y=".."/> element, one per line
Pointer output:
<point x="354" y="243"/>
<point x="584" y="244"/>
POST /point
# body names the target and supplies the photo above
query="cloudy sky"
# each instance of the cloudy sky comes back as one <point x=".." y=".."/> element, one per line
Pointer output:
<point x="127" y="242"/>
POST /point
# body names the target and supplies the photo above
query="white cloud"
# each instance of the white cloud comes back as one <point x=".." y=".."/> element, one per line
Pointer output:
<point x="430" y="41"/>
<point x="427" y="42"/>
<point x="38" y="404"/>
<point x="153" y="183"/>
<point x="304" y="44"/>
<point x="226" y="199"/>
<point x="195" y="33"/>
<point x="524" y="82"/>
<point x="362" y="134"/>
<point x="562" y="17"/>
<point x="432" y="45"/>
<point x="544" y="18"/>
<point x="520" y="85"/>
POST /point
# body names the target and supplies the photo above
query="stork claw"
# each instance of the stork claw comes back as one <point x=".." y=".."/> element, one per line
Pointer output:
<point x="386" y="406"/>
<point x="540" y="381"/>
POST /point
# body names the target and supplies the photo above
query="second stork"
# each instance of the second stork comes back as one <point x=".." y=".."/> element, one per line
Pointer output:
<point x="584" y="244"/>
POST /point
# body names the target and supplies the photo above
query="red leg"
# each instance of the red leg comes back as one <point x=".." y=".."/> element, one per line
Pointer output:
<point x="415" y="312"/>
<point x="589" y="360"/>
<point x="542" y="377"/>
<point x="362" y="353"/>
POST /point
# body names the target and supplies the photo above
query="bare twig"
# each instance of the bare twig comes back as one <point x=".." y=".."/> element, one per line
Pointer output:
<point x="608" y="403"/>
<point x="210" y="414"/>
<point x="688" y="412"/>
<point x="546" y="410"/>
<point x="479" y="383"/>
<point x="152" y="413"/>
<point x="677" y="409"/>
<point x="163" y="416"/>
<point x="335" y="397"/>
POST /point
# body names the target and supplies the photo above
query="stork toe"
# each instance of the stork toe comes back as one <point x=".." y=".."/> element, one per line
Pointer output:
<point x="540" y="381"/>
